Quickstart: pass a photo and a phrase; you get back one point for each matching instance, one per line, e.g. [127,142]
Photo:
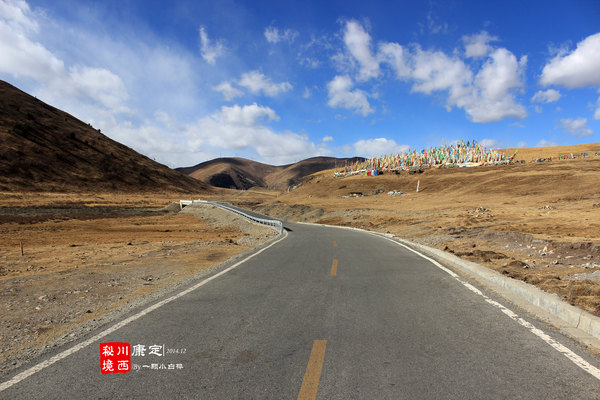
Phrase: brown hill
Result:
[45,149]
[240,173]
[231,173]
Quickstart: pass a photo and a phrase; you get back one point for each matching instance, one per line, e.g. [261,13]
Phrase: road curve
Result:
[326,313]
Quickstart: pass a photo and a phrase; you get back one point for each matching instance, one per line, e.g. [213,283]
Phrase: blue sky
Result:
[280,81]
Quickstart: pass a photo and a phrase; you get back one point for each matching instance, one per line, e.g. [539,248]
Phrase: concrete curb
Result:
[551,303]
[573,321]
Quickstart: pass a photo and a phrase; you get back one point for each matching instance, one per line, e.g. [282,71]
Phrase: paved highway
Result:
[331,314]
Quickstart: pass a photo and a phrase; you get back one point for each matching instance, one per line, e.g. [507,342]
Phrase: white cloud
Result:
[487,96]
[228,91]
[576,69]
[434,70]
[18,14]
[546,96]
[148,138]
[23,57]
[257,83]
[546,143]
[100,84]
[379,147]
[477,45]
[492,144]
[576,127]
[521,144]
[597,112]
[327,139]
[341,95]
[209,51]
[397,57]
[493,99]
[273,35]
[245,128]
[358,42]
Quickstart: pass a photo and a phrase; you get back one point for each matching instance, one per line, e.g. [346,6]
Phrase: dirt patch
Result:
[81,269]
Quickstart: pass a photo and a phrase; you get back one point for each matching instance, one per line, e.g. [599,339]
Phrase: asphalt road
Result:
[330,313]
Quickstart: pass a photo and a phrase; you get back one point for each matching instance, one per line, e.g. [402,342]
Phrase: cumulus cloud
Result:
[486,95]
[546,96]
[492,143]
[24,57]
[245,128]
[576,127]
[228,91]
[576,69]
[379,147]
[434,70]
[258,83]
[327,139]
[397,57]
[492,98]
[477,46]
[208,50]
[274,35]
[358,42]
[341,95]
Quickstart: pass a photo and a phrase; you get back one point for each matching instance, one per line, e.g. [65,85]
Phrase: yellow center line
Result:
[334,266]
[334,243]
[310,383]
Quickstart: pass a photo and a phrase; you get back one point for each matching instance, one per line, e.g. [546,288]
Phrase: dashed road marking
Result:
[312,376]
[334,267]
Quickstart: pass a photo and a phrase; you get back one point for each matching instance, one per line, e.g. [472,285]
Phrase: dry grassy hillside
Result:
[291,174]
[231,173]
[532,153]
[239,173]
[45,149]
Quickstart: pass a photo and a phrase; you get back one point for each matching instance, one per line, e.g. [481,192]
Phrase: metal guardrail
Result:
[269,222]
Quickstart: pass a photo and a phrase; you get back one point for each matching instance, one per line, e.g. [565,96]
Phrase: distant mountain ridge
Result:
[45,149]
[240,173]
